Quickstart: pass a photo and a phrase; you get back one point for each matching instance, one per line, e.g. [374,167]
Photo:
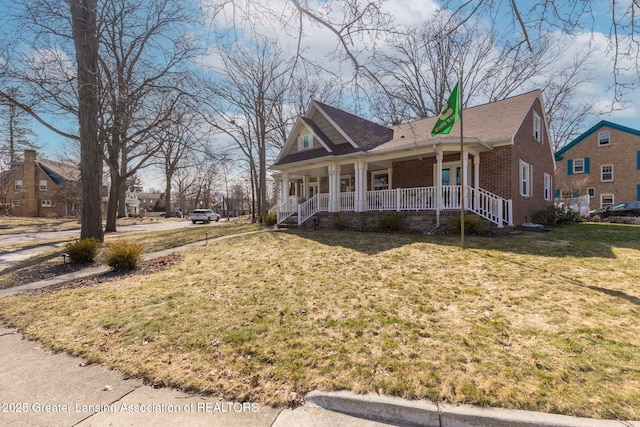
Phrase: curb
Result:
[423,413]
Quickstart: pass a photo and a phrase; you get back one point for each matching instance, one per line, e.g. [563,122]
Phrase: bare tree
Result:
[16,132]
[83,13]
[245,98]
[144,47]
[178,139]
[526,22]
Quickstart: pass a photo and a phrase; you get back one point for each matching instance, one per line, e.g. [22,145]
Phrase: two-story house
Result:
[39,187]
[603,163]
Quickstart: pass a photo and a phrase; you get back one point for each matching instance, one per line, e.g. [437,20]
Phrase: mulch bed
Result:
[49,269]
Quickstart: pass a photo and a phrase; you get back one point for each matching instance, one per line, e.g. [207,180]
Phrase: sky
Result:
[320,43]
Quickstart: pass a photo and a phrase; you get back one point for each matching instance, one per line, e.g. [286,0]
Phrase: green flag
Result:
[450,114]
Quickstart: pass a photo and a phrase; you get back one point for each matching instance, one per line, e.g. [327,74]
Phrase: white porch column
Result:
[439,156]
[285,186]
[305,187]
[465,174]
[361,186]
[334,188]
[476,179]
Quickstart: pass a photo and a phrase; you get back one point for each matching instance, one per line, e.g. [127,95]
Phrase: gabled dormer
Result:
[327,131]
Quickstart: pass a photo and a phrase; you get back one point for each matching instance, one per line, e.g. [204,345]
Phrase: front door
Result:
[313,189]
[446,176]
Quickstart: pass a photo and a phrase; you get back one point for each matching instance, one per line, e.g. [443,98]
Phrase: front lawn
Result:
[547,322]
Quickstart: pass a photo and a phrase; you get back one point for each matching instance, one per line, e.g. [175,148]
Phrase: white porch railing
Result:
[347,201]
[481,202]
[318,203]
[413,199]
[286,209]
[490,206]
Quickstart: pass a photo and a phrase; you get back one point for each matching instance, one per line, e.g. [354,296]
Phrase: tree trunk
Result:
[112,207]
[167,197]
[83,13]
[122,197]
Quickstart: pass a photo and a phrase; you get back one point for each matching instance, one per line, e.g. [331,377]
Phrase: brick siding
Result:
[622,153]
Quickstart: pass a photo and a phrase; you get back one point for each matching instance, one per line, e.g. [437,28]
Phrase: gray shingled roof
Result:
[489,123]
[363,133]
[59,172]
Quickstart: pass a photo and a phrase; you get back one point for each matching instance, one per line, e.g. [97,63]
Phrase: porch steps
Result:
[290,222]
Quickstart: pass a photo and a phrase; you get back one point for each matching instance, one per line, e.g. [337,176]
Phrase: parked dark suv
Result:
[616,209]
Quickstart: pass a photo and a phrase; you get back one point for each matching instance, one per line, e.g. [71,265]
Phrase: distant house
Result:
[151,200]
[336,163]
[603,163]
[38,187]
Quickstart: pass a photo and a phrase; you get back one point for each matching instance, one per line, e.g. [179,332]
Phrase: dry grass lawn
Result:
[547,322]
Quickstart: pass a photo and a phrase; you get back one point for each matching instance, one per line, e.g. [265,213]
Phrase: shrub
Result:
[338,223]
[270,219]
[473,224]
[390,222]
[82,250]
[122,255]
[555,214]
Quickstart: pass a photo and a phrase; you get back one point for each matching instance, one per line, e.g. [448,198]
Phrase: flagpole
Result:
[462,182]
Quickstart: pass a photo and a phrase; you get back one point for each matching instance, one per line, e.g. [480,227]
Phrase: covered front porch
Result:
[390,183]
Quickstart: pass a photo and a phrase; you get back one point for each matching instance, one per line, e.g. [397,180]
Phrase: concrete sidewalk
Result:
[39,388]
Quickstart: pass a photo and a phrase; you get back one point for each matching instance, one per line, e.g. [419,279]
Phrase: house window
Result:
[607,173]
[43,185]
[347,183]
[306,142]
[380,181]
[17,186]
[15,203]
[525,179]
[591,192]
[47,203]
[606,200]
[537,127]
[604,138]
[578,166]
[547,186]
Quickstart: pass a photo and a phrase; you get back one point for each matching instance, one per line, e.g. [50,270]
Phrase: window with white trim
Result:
[578,166]
[380,180]
[591,192]
[606,200]
[47,203]
[525,179]
[537,127]
[606,173]
[305,141]
[547,186]
[15,203]
[17,185]
[43,185]
[604,138]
